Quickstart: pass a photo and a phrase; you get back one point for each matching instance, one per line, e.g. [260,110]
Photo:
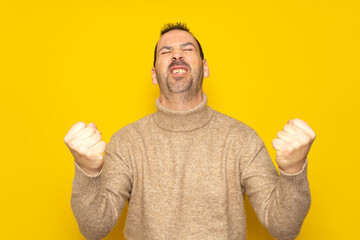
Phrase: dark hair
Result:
[177,26]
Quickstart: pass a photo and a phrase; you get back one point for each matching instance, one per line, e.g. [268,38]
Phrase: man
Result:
[185,168]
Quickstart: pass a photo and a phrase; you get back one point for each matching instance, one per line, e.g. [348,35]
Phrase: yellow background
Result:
[270,61]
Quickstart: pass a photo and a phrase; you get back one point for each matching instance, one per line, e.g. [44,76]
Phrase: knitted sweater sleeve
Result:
[281,202]
[98,201]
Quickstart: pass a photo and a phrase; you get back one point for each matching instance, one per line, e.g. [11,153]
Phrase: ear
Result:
[153,76]
[206,68]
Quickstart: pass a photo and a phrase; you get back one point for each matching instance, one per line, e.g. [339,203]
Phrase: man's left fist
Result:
[292,145]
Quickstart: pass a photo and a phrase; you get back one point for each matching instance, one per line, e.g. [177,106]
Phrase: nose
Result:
[177,55]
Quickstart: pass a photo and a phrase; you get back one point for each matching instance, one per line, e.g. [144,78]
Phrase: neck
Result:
[181,101]
[186,120]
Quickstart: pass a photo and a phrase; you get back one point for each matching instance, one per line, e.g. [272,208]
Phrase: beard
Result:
[184,83]
[180,85]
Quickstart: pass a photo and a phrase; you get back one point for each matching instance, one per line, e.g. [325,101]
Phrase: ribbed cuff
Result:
[83,180]
[294,174]
[296,181]
[77,166]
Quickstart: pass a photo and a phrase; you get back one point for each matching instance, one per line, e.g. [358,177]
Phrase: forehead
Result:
[176,37]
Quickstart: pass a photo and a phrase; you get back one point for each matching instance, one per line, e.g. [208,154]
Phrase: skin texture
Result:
[85,144]
[292,145]
[178,49]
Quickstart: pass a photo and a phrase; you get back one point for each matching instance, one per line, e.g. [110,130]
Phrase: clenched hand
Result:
[85,144]
[292,145]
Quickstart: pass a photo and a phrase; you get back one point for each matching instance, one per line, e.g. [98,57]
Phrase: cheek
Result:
[162,65]
[194,61]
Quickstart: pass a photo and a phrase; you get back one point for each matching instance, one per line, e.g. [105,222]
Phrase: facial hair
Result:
[188,89]
[183,87]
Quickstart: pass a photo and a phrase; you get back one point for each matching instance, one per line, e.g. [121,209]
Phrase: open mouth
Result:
[179,70]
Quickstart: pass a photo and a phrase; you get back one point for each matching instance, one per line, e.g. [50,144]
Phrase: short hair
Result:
[177,26]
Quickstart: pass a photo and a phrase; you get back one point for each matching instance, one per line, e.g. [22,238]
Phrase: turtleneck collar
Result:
[187,120]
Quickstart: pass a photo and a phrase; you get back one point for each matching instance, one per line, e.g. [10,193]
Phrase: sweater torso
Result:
[186,176]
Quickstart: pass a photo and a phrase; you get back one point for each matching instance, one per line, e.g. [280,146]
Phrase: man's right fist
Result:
[85,144]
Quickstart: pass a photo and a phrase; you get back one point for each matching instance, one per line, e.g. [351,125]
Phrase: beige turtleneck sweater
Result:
[185,174]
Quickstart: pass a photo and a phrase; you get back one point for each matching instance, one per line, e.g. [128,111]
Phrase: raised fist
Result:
[85,144]
[292,145]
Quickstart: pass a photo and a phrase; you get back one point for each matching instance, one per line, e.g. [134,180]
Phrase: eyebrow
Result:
[188,43]
[182,45]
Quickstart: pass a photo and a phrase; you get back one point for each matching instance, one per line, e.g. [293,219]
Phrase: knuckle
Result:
[95,138]
[70,145]
[98,136]
[80,124]
[83,132]
[86,132]
[313,135]
[91,130]
[297,120]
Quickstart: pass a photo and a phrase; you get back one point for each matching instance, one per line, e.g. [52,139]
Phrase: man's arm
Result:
[280,202]
[99,195]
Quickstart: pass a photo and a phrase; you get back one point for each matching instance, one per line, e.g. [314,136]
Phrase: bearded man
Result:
[186,168]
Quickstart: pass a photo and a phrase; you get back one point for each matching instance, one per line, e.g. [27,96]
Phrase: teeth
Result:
[179,71]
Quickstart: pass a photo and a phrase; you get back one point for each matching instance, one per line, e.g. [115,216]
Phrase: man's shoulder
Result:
[232,123]
[237,129]
[135,127]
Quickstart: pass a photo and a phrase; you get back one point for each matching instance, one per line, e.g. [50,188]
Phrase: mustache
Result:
[178,63]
